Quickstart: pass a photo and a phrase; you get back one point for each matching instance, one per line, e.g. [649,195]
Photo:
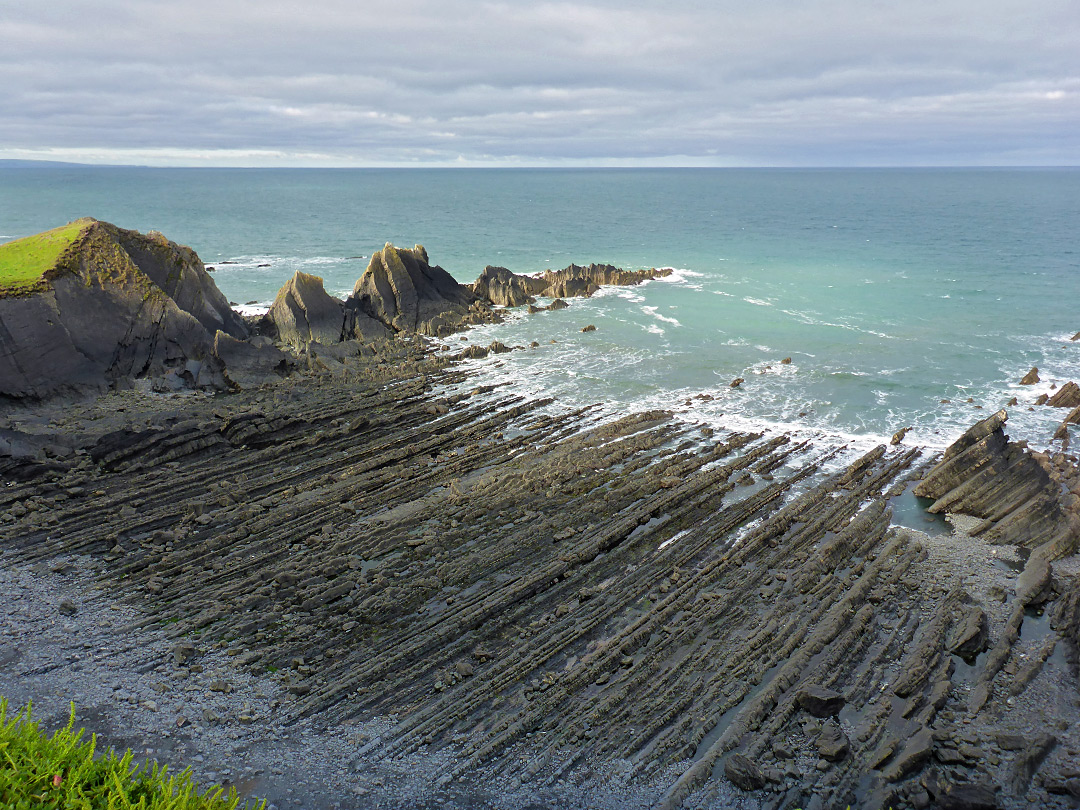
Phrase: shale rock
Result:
[743,772]
[507,289]
[401,290]
[117,305]
[250,363]
[970,636]
[303,311]
[1031,377]
[1068,396]
[832,743]
[984,475]
[819,701]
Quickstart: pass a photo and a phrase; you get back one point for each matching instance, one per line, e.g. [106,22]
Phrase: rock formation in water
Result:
[1068,396]
[505,288]
[403,291]
[117,305]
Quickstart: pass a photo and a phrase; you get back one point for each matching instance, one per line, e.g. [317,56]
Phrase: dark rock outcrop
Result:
[249,363]
[507,289]
[1031,377]
[986,476]
[403,291]
[117,305]
[303,311]
[1068,396]
[819,701]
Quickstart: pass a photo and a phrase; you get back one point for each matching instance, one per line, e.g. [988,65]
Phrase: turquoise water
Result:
[890,290]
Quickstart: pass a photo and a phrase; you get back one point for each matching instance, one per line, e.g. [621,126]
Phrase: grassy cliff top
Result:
[24,262]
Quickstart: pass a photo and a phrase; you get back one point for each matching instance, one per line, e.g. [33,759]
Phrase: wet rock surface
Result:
[390,585]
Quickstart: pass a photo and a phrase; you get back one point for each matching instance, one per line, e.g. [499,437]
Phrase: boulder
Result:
[249,363]
[832,743]
[819,701]
[1031,377]
[105,312]
[898,437]
[404,292]
[743,772]
[913,756]
[505,288]
[589,328]
[970,635]
[966,796]
[1068,396]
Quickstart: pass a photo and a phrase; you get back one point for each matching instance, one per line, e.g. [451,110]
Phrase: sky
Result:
[456,83]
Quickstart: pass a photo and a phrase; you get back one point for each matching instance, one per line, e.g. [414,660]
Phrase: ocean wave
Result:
[758,302]
[652,311]
[678,275]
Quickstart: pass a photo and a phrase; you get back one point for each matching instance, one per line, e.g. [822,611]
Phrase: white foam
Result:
[252,310]
[652,311]
[757,302]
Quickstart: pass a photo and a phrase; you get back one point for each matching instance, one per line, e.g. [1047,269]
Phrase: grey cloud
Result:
[832,81]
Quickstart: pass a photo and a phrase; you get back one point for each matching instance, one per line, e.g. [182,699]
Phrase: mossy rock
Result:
[27,264]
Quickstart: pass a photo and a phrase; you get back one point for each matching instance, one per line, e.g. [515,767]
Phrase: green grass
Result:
[24,261]
[61,772]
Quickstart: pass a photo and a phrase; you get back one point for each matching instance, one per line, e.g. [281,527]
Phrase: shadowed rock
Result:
[117,305]
[819,701]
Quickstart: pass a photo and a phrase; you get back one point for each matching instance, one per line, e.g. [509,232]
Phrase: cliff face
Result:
[402,290]
[117,304]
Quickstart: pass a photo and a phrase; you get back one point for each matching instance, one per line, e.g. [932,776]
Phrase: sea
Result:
[904,298]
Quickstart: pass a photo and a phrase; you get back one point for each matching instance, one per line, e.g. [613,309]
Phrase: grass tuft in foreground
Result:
[61,771]
[23,262]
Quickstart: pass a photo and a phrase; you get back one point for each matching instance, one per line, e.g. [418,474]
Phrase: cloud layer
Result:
[330,82]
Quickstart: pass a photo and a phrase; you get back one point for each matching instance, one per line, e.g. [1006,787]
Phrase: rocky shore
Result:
[367,578]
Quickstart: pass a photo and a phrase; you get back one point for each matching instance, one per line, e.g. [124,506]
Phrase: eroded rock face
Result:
[402,290]
[119,304]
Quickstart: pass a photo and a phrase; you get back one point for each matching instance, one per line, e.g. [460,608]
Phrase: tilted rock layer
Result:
[403,291]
